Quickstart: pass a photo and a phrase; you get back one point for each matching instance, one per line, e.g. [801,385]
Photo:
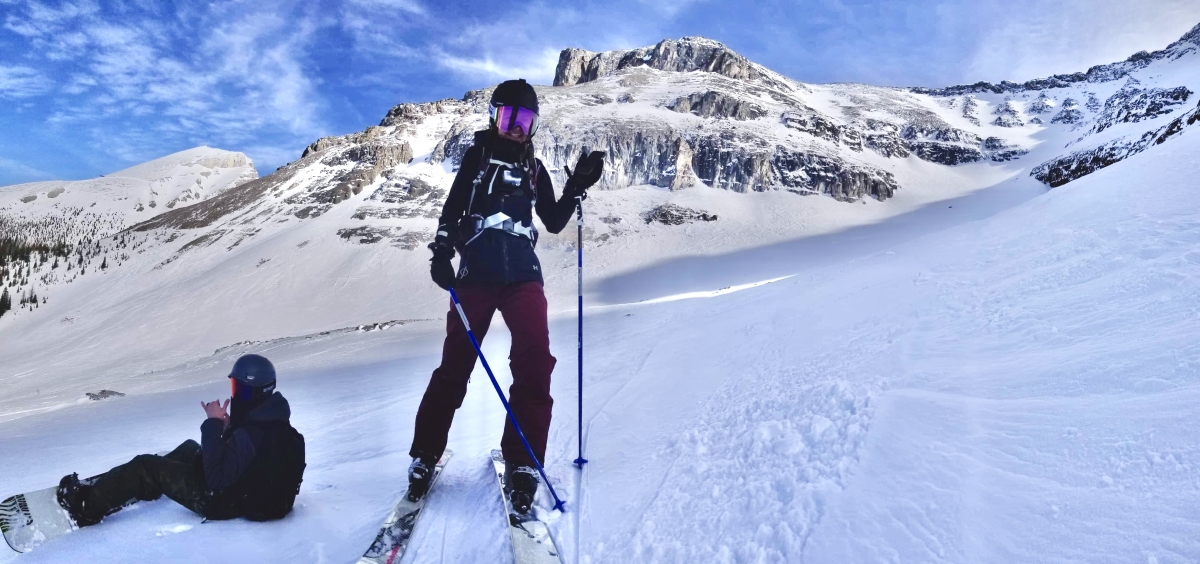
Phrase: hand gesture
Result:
[587,172]
[215,410]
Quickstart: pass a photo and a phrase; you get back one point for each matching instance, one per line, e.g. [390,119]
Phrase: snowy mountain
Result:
[77,220]
[838,323]
[709,154]
[136,193]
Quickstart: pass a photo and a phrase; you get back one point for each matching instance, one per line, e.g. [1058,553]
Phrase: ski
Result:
[397,529]
[532,542]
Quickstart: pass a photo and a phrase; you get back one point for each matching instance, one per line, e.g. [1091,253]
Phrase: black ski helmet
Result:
[253,379]
[515,93]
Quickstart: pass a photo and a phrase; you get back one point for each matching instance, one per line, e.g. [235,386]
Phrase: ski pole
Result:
[579,223]
[559,504]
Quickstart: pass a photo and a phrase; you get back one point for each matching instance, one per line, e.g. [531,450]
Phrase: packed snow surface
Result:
[1019,386]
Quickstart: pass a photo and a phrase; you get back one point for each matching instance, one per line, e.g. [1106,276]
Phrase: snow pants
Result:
[178,475]
[523,306]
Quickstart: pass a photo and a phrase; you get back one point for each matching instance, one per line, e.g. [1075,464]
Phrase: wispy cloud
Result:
[246,77]
[1028,39]
[21,82]
[21,172]
[134,79]
[410,6]
[537,69]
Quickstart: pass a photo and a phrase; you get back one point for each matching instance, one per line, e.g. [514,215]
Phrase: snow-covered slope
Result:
[140,192]
[1019,388]
[712,157]
[75,221]
[961,365]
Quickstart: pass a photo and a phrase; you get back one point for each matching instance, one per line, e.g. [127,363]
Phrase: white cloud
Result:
[21,82]
[371,6]
[670,8]
[22,172]
[378,27]
[1029,40]
[241,75]
[538,69]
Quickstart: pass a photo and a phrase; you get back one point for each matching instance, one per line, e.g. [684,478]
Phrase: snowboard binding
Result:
[72,496]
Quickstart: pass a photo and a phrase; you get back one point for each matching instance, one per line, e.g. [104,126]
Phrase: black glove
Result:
[442,272]
[587,172]
[440,268]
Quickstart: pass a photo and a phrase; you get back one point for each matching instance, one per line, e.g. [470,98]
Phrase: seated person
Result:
[249,463]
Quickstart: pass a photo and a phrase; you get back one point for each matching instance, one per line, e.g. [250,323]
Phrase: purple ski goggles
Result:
[507,118]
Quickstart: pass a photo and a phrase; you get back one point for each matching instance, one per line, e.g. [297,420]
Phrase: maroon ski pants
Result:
[523,306]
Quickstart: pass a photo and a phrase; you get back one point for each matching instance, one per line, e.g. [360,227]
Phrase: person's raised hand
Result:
[215,410]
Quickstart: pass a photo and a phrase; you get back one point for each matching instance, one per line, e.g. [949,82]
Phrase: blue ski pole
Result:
[579,222]
[558,503]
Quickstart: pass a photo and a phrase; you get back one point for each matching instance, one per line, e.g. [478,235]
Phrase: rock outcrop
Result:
[576,66]
[1078,164]
[717,104]
[671,214]
[1007,115]
[1131,104]
[1069,114]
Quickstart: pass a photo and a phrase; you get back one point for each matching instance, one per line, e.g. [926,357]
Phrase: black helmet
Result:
[252,379]
[515,93]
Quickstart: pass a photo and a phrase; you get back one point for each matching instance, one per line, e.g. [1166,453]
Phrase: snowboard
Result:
[30,519]
[397,529]
[531,539]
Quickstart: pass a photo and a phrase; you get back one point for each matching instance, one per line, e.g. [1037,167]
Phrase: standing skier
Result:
[488,218]
[249,462]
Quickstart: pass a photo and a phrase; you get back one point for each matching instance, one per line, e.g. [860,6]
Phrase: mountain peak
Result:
[1192,36]
[1097,73]
[203,157]
[692,53]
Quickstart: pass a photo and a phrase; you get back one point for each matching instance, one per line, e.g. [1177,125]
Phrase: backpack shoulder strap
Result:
[485,156]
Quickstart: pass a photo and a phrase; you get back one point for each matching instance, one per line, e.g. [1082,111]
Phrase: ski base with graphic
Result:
[531,539]
[398,528]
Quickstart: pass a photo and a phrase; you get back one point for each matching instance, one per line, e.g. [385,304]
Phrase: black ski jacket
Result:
[228,453]
[494,257]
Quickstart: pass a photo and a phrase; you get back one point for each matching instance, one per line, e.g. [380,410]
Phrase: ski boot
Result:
[72,496]
[521,482]
[420,474]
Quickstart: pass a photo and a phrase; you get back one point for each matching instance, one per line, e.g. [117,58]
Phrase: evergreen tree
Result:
[5,303]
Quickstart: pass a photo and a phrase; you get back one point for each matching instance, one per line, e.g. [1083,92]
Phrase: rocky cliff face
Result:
[1132,104]
[684,123]
[576,66]
[691,112]
[1144,103]
[1078,164]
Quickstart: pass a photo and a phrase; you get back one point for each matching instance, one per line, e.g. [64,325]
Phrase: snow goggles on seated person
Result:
[508,117]
[246,392]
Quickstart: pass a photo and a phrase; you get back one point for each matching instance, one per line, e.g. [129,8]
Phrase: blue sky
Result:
[88,87]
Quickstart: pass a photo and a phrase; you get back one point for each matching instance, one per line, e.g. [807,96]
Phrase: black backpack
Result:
[269,487]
